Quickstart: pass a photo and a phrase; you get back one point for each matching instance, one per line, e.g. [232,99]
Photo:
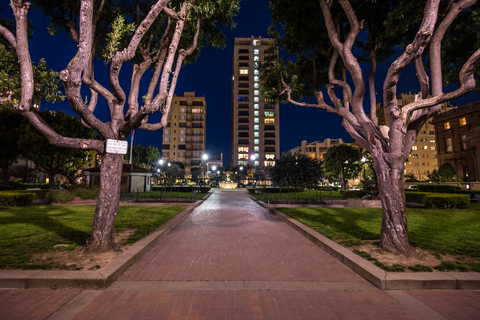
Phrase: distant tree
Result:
[434,176]
[196,173]
[10,132]
[173,172]
[296,171]
[56,160]
[160,35]
[342,162]
[447,172]
[410,177]
[145,157]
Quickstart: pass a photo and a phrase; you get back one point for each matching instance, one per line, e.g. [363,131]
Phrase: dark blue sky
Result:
[210,77]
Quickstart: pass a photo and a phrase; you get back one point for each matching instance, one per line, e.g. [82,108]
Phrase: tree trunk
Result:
[6,175]
[51,180]
[102,237]
[394,233]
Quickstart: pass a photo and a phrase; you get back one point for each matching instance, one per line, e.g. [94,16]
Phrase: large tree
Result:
[10,131]
[388,145]
[55,160]
[163,35]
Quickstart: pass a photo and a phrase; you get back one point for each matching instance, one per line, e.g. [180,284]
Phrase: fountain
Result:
[227,184]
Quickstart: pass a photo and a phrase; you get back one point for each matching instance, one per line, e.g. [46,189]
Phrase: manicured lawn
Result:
[454,232]
[159,194]
[312,194]
[35,229]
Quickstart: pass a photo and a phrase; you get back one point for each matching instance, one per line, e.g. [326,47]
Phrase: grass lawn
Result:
[455,232]
[35,229]
[159,194]
[312,194]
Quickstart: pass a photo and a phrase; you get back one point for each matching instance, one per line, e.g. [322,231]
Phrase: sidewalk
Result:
[232,259]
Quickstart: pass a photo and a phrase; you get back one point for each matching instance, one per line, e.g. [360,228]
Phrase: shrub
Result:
[346,194]
[415,196]
[16,199]
[327,188]
[86,193]
[39,194]
[447,201]
[61,195]
[181,189]
[438,188]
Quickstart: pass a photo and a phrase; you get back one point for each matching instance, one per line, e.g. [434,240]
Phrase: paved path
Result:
[231,259]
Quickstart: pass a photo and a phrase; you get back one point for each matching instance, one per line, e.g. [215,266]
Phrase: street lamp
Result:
[363,166]
[253,165]
[204,157]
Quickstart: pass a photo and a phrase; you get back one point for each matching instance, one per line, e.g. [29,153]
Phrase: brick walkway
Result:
[232,259]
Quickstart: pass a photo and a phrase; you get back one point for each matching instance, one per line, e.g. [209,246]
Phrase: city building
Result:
[316,149]
[458,140]
[422,160]
[184,137]
[255,124]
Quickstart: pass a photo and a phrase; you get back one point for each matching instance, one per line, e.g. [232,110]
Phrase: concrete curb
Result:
[98,279]
[378,277]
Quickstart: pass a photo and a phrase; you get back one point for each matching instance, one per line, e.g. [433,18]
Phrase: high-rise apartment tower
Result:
[255,124]
[184,137]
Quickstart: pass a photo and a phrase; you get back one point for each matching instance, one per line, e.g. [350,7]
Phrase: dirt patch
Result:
[76,259]
[419,257]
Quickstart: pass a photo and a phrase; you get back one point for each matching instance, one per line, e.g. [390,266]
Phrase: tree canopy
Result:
[297,171]
[342,162]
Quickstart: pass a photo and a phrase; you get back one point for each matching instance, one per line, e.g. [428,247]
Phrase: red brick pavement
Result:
[464,305]
[244,304]
[32,304]
[231,237]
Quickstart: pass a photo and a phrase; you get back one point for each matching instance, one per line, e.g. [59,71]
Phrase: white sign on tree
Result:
[116,146]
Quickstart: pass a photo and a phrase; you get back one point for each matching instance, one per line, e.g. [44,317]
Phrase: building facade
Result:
[255,124]
[458,140]
[422,160]
[184,137]
[316,149]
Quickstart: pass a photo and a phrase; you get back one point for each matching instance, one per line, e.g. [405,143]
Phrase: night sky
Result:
[210,77]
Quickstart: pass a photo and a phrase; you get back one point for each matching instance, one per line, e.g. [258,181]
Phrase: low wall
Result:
[463,185]
[364,203]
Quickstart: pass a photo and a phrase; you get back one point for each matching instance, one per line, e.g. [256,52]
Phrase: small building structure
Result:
[134,178]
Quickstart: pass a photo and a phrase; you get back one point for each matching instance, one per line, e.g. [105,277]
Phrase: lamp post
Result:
[363,166]
[241,172]
[204,157]
[253,166]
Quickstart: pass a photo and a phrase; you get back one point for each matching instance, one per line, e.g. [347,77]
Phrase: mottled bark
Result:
[102,236]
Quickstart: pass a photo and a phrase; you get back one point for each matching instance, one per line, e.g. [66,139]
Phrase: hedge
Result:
[39,194]
[86,193]
[415,196]
[447,201]
[346,194]
[327,188]
[60,195]
[274,190]
[181,189]
[438,188]
[16,199]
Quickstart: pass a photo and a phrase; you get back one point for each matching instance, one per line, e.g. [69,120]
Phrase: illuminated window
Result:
[257,163]
[432,148]
[256,99]
[269,121]
[242,149]
[432,140]
[269,163]
[256,92]
[464,142]
[256,120]
[256,42]
[256,51]
[446,125]
[242,156]
[414,148]
[425,147]
[184,132]
[182,139]
[256,127]
[256,113]
[256,71]
[183,110]
[256,78]
[197,110]
[256,149]
[256,141]
[243,71]
[242,163]
[256,58]
[256,85]
[269,156]
[256,134]
[463,121]
[256,106]
[166,131]
[269,113]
